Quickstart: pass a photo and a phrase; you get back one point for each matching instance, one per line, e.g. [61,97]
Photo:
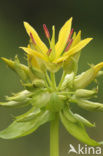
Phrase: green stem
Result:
[48,79]
[53,80]
[54,137]
[62,79]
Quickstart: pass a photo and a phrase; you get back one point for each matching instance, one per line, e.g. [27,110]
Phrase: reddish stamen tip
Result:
[49,51]
[68,46]
[71,32]
[32,38]
[47,34]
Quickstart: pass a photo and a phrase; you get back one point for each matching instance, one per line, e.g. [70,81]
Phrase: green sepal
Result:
[55,104]
[20,129]
[78,131]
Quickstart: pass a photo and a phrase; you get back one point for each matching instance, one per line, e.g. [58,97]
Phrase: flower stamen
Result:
[47,34]
[68,46]
[49,51]
[69,38]
[32,38]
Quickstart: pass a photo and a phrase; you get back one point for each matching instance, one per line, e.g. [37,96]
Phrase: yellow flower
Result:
[68,45]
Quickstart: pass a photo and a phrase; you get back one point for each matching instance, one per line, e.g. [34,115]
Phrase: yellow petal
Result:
[98,67]
[76,40]
[32,61]
[78,47]
[63,36]
[74,35]
[36,37]
[61,59]
[73,50]
[34,53]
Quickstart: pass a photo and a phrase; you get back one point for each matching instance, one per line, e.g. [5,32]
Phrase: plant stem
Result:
[62,79]
[53,80]
[48,79]
[54,137]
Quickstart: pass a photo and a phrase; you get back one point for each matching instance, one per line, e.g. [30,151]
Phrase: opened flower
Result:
[68,44]
[49,101]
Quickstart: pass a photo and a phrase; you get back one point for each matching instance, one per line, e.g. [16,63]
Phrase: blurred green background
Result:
[88,17]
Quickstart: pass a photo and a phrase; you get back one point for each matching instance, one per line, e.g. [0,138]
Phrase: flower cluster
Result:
[41,91]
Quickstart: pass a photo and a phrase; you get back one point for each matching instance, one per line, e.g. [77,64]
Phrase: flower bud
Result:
[15,103]
[83,93]
[38,83]
[38,73]
[70,65]
[20,69]
[84,79]
[89,105]
[19,96]
[68,81]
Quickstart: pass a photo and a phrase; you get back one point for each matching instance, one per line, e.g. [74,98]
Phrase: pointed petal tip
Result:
[23,48]
[25,23]
[70,19]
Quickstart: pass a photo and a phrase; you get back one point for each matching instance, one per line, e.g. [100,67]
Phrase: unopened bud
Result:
[20,69]
[19,96]
[38,73]
[89,105]
[68,81]
[83,93]
[15,103]
[84,79]
[38,83]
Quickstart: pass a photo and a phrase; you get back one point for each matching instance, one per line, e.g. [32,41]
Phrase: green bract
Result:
[47,99]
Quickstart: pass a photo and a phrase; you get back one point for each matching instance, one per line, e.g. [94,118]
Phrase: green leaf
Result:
[69,115]
[84,121]
[78,131]
[76,117]
[20,129]
[29,115]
